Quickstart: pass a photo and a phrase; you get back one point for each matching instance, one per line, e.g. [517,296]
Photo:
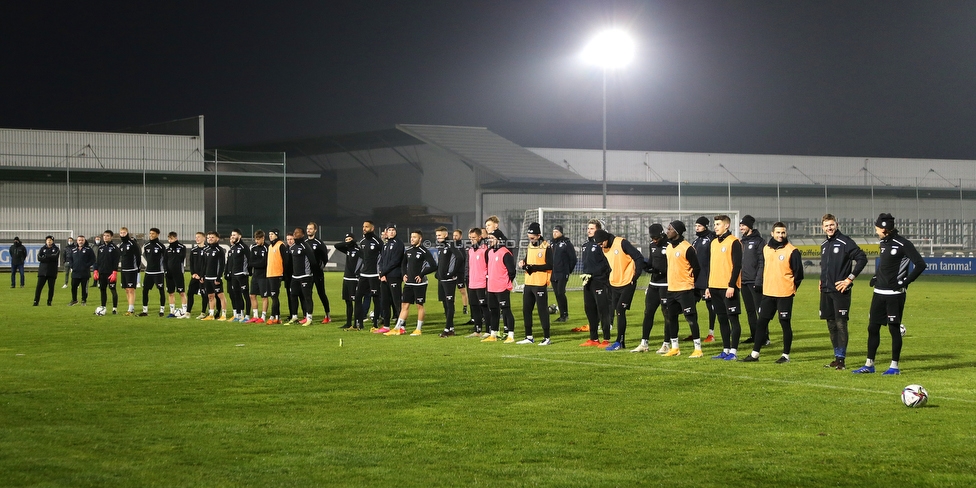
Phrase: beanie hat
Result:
[601,235]
[703,221]
[275,231]
[391,225]
[748,221]
[535,229]
[558,227]
[885,221]
[655,230]
[678,226]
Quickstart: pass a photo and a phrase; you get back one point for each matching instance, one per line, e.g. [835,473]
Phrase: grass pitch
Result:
[128,401]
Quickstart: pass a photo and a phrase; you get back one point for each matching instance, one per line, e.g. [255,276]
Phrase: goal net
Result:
[629,224]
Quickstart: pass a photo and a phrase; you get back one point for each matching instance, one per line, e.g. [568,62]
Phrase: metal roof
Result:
[479,147]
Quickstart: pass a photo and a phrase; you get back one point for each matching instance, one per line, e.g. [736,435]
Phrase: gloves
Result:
[529,268]
[111,277]
[586,277]
[95,275]
[874,281]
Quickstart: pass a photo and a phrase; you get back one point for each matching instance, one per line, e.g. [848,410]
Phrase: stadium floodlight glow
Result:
[610,49]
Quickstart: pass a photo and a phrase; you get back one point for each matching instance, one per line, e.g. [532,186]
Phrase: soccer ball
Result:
[178,313]
[902,329]
[914,396]
[100,311]
[553,309]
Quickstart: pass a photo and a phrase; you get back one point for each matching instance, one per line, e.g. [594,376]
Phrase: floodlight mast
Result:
[610,49]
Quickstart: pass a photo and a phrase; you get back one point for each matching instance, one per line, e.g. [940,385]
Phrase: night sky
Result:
[847,78]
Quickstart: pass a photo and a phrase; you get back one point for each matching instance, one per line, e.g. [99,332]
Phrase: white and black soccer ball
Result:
[553,309]
[100,311]
[902,329]
[178,313]
[914,396]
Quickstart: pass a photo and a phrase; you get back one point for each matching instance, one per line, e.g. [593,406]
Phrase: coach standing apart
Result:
[841,260]
[890,281]
[563,264]
[18,254]
[47,271]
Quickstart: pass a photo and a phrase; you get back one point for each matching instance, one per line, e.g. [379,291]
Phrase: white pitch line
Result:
[721,375]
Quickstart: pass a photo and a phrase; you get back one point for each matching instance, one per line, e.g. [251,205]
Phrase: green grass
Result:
[126,401]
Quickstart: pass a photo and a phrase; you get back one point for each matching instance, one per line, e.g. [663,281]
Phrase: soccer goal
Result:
[629,224]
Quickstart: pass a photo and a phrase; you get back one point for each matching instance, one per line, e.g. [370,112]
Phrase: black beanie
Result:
[678,226]
[601,235]
[559,228]
[535,229]
[885,221]
[702,221]
[655,230]
[748,221]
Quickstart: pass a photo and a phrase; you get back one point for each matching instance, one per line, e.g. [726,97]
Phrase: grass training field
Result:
[128,401]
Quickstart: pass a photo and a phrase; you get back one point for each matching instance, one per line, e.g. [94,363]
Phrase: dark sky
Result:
[849,78]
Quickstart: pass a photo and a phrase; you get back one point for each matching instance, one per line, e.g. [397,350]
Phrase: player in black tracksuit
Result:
[350,275]
[450,267]
[596,287]
[302,265]
[155,254]
[237,269]
[175,274]
[369,278]
[258,260]
[214,264]
[563,263]
[703,248]
[656,296]
[82,259]
[752,254]
[417,262]
[890,282]
[107,264]
[391,277]
[841,260]
[130,260]
[196,274]
[318,274]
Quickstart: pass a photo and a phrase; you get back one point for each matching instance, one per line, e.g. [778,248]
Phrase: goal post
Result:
[629,224]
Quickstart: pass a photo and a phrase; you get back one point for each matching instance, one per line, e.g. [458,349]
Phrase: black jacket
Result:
[703,248]
[82,260]
[563,258]
[656,262]
[198,260]
[237,262]
[892,272]
[595,262]
[752,249]
[354,261]
[155,254]
[175,258]
[48,257]
[130,259]
[214,262]
[370,246]
[302,259]
[450,261]
[108,258]
[391,260]
[416,261]
[840,258]
[321,254]
[18,253]
[259,261]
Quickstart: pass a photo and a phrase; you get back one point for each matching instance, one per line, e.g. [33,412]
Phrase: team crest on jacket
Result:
[782,257]
[616,251]
[677,254]
[723,249]
[539,255]
[836,250]
[894,251]
[750,245]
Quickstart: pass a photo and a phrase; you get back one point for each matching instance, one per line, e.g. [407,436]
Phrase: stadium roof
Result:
[476,147]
